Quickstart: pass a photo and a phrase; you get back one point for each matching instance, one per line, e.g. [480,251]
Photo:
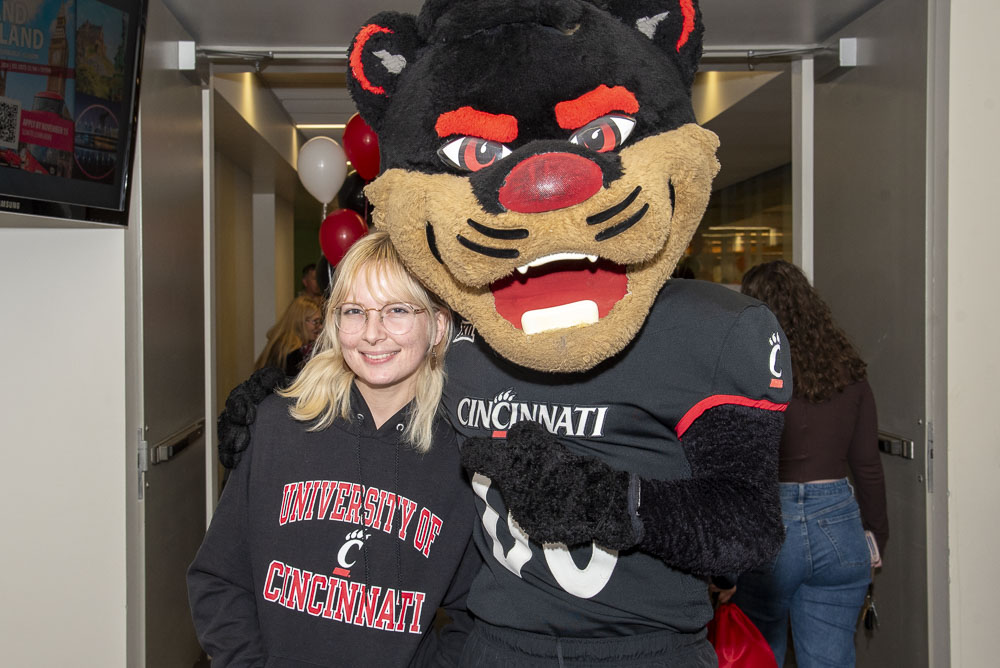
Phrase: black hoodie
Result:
[336,548]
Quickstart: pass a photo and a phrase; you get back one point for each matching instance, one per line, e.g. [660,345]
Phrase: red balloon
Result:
[361,146]
[338,232]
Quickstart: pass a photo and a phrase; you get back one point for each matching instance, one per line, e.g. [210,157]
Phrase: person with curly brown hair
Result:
[820,577]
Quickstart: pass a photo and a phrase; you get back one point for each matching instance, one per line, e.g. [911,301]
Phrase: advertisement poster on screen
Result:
[64,91]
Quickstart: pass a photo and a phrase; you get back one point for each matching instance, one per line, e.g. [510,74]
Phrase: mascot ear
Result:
[673,25]
[380,51]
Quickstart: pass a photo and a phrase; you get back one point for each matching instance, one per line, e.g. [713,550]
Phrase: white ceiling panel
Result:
[334,22]
[312,91]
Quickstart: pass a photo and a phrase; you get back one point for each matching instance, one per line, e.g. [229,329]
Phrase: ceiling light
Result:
[320,126]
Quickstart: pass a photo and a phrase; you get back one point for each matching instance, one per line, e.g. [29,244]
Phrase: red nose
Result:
[550,181]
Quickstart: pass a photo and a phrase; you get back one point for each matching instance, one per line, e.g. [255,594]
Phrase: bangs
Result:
[404,287]
[388,283]
[372,259]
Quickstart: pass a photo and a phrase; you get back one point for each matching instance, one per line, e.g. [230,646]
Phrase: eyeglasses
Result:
[315,322]
[397,318]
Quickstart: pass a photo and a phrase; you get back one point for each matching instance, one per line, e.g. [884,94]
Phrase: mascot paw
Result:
[554,495]
[241,411]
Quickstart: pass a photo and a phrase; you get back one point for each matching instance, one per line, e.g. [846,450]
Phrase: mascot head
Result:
[542,169]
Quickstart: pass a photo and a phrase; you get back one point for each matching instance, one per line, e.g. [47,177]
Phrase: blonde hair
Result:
[289,333]
[322,389]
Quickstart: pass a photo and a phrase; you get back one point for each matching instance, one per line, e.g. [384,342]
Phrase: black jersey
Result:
[702,346]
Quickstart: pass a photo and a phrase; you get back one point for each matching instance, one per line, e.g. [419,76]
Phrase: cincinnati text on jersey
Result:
[502,412]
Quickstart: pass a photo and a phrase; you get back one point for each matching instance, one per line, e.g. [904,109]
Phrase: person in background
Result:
[822,573]
[349,521]
[291,339]
[310,284]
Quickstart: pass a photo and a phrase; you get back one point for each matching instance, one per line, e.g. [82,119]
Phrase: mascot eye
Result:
[605,133]
[472,153]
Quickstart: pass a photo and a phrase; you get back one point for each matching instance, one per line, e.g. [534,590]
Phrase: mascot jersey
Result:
[702,346]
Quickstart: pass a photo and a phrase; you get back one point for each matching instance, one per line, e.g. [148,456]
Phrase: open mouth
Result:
[559,291]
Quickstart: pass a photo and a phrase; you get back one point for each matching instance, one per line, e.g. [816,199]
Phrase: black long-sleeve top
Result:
[826,440]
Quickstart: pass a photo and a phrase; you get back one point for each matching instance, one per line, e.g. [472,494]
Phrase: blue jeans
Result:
[818,580]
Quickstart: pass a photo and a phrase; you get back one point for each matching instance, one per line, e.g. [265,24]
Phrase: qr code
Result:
[10,122]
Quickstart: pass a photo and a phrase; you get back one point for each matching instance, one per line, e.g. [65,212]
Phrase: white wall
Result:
[255,149]
[973,330]
[273,262]
[285,272]
[259,107]
[235,353]
[62,446]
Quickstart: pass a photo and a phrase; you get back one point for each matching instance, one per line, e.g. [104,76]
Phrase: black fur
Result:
[555,495]
[451,20]
[241,410]
[726,518]
[519,58]
[630,11]
[401,41]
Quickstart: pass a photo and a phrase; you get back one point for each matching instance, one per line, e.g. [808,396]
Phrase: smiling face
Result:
[385,364]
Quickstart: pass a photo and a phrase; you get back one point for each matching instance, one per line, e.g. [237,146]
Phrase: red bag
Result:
[737,641]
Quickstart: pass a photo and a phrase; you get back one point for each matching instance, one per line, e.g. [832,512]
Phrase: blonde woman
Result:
[291,339]
[348,523]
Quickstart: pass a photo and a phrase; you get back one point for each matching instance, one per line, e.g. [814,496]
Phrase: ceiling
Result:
[326,23]
[298,48]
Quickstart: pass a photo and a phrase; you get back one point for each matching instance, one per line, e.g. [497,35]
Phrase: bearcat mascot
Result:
[543,173]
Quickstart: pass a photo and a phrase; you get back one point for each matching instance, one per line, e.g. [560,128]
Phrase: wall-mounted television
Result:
[69,92]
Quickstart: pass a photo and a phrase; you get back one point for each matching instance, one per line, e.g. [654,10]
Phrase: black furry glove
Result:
[241,411]
[554,495]
[725,518]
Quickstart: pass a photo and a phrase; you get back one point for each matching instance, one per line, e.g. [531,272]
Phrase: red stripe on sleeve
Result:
[705,404]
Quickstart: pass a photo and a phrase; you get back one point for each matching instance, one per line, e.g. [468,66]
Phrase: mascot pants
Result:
[494,647]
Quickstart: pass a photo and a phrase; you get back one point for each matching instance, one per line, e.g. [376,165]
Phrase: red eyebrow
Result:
[573,114]
[475,123]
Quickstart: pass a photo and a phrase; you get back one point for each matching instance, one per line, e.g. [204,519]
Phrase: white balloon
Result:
[322,167]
